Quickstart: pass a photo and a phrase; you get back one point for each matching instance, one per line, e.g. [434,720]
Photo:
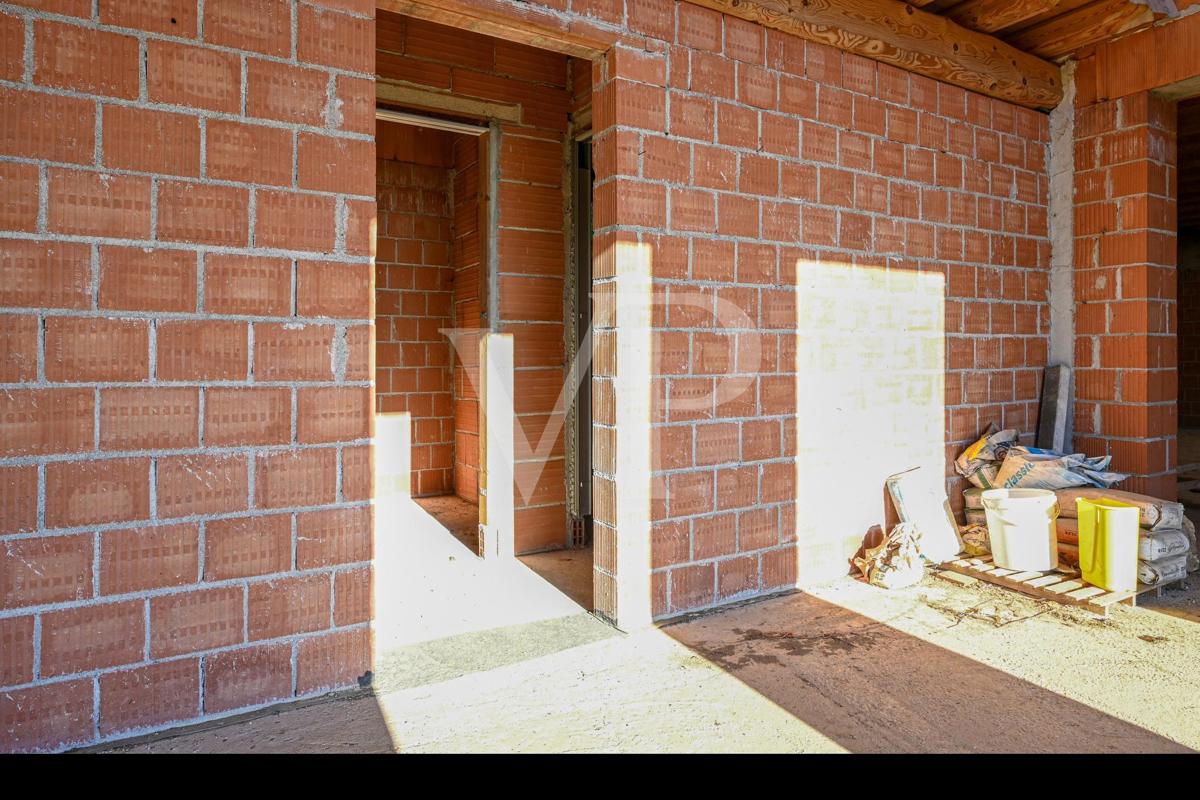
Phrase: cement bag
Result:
[1193,556]
[976,540]
[973,497]
[981,462]
[1156,545]
[896,562]
[1035,468]
[1165,570]
[1157,515]
[1068,529]
[920,498]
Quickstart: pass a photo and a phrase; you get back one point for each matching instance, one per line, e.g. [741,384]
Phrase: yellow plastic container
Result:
[1108,543]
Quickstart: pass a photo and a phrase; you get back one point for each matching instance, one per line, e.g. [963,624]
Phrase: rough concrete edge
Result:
[213,723]
[1062,239]
[707,611]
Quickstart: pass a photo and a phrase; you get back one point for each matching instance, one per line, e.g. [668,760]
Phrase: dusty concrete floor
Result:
[569,571]
[844,667]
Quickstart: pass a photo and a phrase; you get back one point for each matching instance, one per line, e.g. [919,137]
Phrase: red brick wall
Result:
[531,245]
[746,161]
[185,293]
[1125,283]
[414,284]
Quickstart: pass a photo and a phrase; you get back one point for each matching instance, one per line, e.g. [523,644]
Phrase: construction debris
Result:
[920,498]
[896,562]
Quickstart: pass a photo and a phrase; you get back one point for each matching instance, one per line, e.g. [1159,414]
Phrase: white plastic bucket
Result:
[1021,528]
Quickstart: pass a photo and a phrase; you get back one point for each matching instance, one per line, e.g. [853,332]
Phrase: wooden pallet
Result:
[1062,586]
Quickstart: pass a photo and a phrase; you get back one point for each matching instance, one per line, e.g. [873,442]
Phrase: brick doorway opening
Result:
[479,236]
[1188,299]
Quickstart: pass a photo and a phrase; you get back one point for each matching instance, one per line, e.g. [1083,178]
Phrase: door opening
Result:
[581,512]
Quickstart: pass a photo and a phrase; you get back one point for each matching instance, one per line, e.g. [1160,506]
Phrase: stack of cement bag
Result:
[996,461]
[1167,549]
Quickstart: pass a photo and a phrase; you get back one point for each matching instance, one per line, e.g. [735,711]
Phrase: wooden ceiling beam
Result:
[988,16]
[896,33]
[1067,33]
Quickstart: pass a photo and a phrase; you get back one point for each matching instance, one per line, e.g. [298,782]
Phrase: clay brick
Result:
[18,499]
[205,350]
[48,717]
[149,418]
[293,352]
[19,335]
[329,164]
[12,48]
[202,214]
[235,284]
[287,606]
[93,637]
[736,577]
[335,40]
[85,60]
[150,696]
[353,596]
[264,26]
[45,274]
[332,537]
[247,153]
[141,559]
[236,416]
[84,349]
[286,92]
[779,568]
[358,472]
[246,547]
[356,99]
[16,650]
[143,140]
[46,421]
[195,621]
[98,204]
[248,676]
[333,661]
[699,28]
[334,289]
[19,191]
[333,414]
[692,587]
[202,485]
[47,126]
[52,569]
[296,478]
[97,492]
[170,17]
[137,279]
[194,77]
[295,221]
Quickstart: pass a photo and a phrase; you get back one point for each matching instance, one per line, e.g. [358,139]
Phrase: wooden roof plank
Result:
[1066,33]
[989,16]
[897,33]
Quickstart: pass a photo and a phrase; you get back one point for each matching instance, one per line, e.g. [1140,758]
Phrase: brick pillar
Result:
[1125,245]
[621,379]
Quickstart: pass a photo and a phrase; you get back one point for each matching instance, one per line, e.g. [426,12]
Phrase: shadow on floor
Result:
[475,656]
[874,688]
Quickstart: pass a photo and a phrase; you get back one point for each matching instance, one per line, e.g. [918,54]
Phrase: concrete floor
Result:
[476,657]
[569,571]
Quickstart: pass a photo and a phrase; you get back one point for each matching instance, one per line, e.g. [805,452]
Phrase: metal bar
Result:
[389,115]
